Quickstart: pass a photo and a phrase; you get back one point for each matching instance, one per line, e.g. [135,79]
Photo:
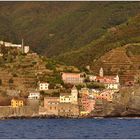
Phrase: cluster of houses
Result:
[110,82]
[75,102]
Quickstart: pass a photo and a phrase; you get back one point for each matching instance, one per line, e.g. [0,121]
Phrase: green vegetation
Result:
[54,28]
[51,64]
[134,49]
[118,36]
[55,79]
[95,85]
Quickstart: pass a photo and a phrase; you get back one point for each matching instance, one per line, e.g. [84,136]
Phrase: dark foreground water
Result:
[70,128]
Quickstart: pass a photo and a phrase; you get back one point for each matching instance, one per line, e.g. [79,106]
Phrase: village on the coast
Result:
[77,95]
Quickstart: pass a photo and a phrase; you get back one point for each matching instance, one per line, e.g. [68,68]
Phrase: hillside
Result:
[23,72]
[117,36]
[53,28]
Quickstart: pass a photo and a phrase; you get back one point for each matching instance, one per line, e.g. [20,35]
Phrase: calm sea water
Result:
[70,128]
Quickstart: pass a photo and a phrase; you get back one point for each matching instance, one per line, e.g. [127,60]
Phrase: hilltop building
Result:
[20,47]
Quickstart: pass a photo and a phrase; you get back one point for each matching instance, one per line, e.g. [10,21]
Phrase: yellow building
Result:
[82,113]
[17,103]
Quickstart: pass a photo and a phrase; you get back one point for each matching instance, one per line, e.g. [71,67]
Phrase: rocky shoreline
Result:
[69,117]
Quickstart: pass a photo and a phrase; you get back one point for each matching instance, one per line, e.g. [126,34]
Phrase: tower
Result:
[74,95]
[101,72]
[22,46]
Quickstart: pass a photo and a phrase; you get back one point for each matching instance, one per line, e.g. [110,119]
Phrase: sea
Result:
[108,128]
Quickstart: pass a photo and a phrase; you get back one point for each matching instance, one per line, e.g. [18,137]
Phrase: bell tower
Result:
[74,95]
[101,72]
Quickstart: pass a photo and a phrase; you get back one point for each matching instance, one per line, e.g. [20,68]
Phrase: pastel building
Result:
[110,82]
[106,95]
[70,97]
[15,103]
[73,78]
[74,95]
[87,101]
[43,86]
[65,98]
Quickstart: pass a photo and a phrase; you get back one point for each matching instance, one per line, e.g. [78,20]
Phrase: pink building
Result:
[73,78]
[87,103]
[110,82]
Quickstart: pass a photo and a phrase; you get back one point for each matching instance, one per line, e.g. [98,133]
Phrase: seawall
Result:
[8,111]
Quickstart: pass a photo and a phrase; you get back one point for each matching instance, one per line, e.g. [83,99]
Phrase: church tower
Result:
[101,72]
[74,95]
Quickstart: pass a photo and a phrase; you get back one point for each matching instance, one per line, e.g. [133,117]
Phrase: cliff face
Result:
[126,103]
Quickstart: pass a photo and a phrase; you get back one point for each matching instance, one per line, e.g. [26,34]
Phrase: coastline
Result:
[67,117]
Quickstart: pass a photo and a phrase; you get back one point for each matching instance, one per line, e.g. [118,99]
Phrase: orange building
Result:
[107,95]
[17,103]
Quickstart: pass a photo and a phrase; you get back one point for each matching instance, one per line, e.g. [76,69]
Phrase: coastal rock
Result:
[126,103]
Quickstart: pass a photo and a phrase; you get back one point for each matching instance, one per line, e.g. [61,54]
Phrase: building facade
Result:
[87,100]
[106,95]
[51,105]
[34,95]
[68,109]
[74,95]
[65,98]
[73,78]
[43,86]
[70,97]
[17,103]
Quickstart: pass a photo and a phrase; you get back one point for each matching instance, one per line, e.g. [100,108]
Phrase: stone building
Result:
[51,105]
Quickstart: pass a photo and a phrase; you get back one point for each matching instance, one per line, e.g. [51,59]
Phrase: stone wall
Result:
[7,111]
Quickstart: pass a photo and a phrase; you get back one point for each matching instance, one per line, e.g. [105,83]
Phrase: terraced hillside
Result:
[122,61]
[25,71]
